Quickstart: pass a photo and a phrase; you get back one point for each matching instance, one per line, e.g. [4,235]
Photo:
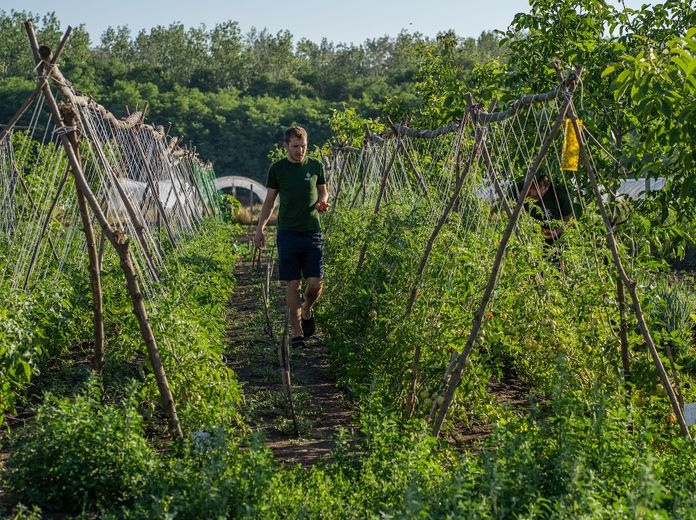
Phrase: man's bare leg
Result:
[311,295]
[294,306]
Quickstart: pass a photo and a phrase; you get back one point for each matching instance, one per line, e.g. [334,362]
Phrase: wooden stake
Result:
[285,370]
[628,283]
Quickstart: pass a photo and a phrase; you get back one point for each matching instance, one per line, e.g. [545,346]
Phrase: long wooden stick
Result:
[285,370]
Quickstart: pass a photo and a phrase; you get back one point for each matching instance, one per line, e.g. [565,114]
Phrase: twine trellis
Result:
[76,169]
[460,176]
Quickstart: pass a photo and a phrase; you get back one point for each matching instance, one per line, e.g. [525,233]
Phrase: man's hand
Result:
[322,206]
[259,239]
[552,233]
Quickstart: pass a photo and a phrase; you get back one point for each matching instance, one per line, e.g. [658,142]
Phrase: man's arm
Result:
[322,204]
[266,210]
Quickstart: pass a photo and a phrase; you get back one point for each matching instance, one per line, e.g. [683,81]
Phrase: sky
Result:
[352,21]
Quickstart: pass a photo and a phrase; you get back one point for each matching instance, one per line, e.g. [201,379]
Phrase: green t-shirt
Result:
[297,187]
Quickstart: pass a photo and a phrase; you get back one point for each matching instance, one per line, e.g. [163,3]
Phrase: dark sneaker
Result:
[309,327]
[297,341]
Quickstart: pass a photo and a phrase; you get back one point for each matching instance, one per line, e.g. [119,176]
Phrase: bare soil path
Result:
[322,409]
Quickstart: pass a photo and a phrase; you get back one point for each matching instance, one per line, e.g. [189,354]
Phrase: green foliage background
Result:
[230,94]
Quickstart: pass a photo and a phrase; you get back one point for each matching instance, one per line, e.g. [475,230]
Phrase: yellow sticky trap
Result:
[571,148]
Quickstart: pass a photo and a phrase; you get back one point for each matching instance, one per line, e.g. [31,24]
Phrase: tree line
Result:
[229,93]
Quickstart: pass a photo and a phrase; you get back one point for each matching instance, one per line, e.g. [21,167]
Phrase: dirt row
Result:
[322,409]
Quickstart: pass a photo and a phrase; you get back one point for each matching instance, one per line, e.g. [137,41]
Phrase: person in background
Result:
[549,204]
[299,182]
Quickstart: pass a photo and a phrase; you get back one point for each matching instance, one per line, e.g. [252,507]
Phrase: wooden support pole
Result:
[492,280]
[120,243]
[70,119]
[285,370]
[266,294]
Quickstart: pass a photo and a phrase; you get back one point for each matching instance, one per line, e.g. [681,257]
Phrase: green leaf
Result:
[608,70]
[688,187]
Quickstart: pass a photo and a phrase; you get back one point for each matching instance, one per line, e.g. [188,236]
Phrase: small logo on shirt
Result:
[308,177]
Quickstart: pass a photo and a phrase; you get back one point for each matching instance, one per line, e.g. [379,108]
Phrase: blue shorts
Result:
[300,253]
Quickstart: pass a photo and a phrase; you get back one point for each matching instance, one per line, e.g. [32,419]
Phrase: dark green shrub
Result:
[79,454]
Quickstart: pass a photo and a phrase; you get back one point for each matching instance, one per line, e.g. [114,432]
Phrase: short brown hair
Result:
[295,131]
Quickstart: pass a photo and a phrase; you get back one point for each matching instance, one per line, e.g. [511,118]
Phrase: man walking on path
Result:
[300,183]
